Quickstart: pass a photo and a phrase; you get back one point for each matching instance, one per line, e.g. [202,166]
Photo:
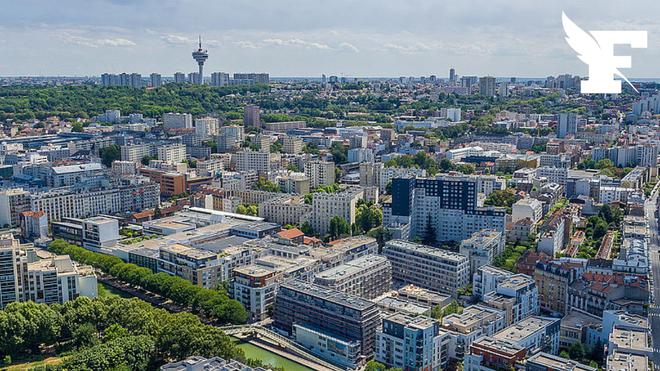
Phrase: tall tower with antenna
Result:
[200,56]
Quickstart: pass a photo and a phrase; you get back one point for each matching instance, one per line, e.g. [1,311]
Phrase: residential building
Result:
[427,267]
[486,279]
[285,210]
[482,248]
[12,203]
[411,343]
[473,323]
[99,232]
[136,152]
[326,206]
[320,173]
[292,145]
[252,160]
[439,209]
[487,86]
[206,127]
[34,225]
[58,280]
[301,306]
[537,334]
[367,277]
[230,138]
[530,208]
[177,121]
[251,117]
[548,362]
[489,353]
[174,153]
[567,125]
[517,296]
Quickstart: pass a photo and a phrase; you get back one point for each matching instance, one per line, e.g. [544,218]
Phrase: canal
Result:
[268,357]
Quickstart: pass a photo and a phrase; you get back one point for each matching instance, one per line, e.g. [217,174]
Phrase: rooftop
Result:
[524,328]
[557,363]
[629,339]
[334,296]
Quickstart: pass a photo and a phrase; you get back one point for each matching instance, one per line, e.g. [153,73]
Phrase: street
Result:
[654,310]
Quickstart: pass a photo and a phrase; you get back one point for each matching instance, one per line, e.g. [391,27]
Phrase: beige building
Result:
[172,153]
[292,145]
[325,206]
[320,173]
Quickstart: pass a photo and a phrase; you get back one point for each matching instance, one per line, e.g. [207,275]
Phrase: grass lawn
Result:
[108,291]
[32,362]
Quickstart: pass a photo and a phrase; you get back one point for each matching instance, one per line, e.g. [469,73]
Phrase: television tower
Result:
[200,56]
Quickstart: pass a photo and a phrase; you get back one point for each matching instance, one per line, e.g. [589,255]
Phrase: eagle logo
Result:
[596,49]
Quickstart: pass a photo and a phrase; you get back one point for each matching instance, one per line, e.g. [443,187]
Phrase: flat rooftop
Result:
[334,296]
[629,339]
[557,363]
[618,361]
[352,267]
[524,328]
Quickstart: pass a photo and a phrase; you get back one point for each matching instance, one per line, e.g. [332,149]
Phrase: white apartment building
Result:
[527,208]
[486,279]
[427,267]
[474,322]
[367,277]
[209,167]
[553,174]
[285,210]
[292,145]
[174,153]
[58,280]
[370,174]
[177,121]
[100,232]
[320,173]
[482,248]
[136,152]
[252,160]
[124,167]
[206,127]
[325,206]
[389,173]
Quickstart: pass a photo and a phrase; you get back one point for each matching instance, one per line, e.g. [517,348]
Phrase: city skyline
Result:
[300,39]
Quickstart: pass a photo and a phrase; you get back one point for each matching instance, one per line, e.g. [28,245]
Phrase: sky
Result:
[366,38]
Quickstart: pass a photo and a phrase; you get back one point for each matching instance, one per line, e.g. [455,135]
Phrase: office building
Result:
[482,248]
[487,86]
[332,315]
[367,277]
[427,267]
[439,209]
[320,173]
[411,343]
[326,206]
[251,116]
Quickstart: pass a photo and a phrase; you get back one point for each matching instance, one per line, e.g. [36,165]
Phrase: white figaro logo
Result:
[596,49]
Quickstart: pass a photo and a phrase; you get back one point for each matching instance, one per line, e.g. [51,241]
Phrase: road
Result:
[654,250]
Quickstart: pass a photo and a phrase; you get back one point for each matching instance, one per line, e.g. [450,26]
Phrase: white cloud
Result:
[245,44]
[348,46]
[174,39]
[95,43]
[297,42]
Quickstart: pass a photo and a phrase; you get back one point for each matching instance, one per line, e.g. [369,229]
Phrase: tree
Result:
[338,227]
[576,351]
[77,127]
[109,154]
[502,198]
[368,216]
[85,335]
[307,229]
[429,235]
[339,153]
